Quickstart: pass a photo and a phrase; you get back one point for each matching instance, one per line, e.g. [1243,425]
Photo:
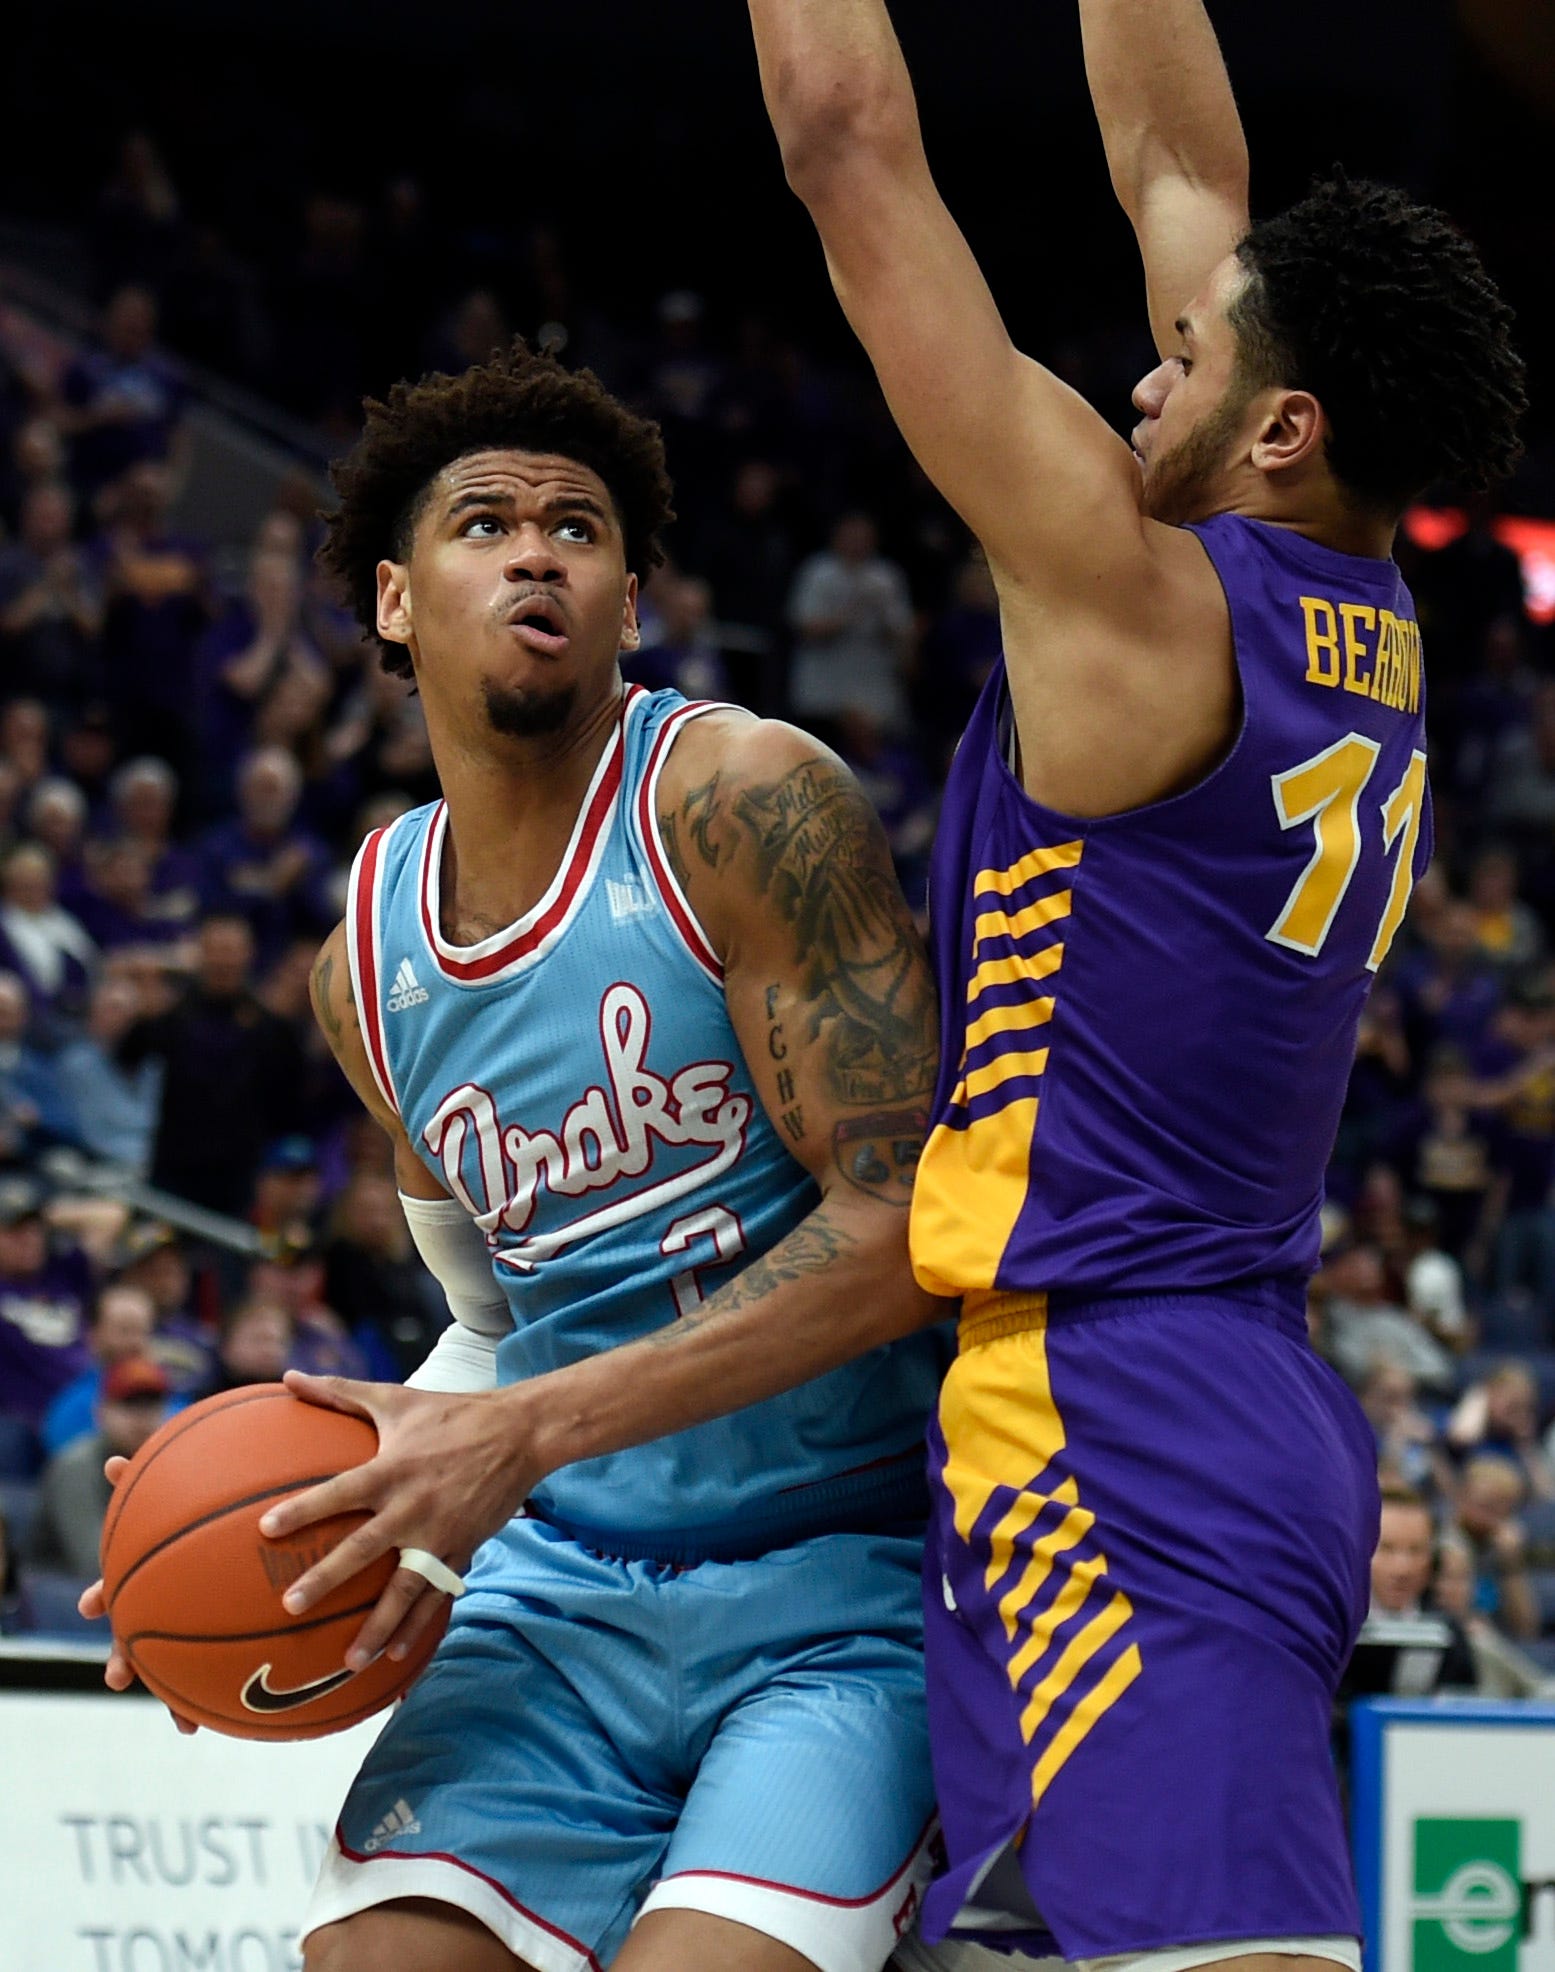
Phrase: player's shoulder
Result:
[730,756]
[745,803]
[333,993]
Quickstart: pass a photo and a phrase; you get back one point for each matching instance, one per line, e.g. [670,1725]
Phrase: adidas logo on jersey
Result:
[628,899]
[400,1820]
[406,992]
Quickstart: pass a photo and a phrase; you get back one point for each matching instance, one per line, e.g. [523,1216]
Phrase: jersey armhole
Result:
[687,925]
[365,956]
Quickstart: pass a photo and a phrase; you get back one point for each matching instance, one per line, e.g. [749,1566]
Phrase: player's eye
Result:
[577,528]
[482,521]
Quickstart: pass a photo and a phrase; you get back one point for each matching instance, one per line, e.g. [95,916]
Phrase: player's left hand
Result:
[448,1474]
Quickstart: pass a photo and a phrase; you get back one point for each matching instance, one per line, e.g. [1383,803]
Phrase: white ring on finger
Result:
[430,1569]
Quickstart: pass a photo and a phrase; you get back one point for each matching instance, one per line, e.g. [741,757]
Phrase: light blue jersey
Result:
[576,1082]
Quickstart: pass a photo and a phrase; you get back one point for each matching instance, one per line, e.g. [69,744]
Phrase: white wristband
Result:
[430,1569]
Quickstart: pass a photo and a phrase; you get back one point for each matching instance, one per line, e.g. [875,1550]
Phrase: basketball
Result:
[193,1589]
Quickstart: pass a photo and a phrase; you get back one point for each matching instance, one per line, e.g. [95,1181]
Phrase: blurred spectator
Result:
[1516,1093]
[1452,1166]
[248,655]
[1490,1496]
[1433,1280]
[51,604]
[24,741]
[1510,935]
[1500,1416]
[122,401]
[144,794]
[116,907]
[112,1109]
[56,819]
[230,1073]
[374,1281]
[747,553]
[42,941]
[294,1280]
[1405,1436]
[255,1345]
[154,580]
[35,1109]
[1401,1571]
[37,458]
[73,1498]
[1501,1670]
[151,1257]
[263,866]
[286,1192]
[1364,1326]
[45,1290]
[88,751]
[1447,991]
[680,651]
[118,1330]
[1520,795]
[852,617]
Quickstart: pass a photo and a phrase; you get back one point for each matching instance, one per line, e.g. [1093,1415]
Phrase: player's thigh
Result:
[810,1817]
[694,1941]
[410,1935]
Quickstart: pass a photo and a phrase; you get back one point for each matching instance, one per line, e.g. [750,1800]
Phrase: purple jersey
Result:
[1149,1018]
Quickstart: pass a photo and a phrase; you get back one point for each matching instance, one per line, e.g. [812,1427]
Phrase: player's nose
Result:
[1150,391]
[533,558]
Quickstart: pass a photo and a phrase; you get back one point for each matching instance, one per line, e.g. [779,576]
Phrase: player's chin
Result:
[528,710]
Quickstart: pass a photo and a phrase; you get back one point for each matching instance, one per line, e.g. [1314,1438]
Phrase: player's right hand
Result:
[118,1674]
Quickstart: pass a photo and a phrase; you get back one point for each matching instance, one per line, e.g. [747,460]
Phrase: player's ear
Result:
[1291,433]
[394,618]
[631,631]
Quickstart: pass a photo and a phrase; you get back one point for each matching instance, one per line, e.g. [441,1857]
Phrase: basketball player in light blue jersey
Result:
[641,1007]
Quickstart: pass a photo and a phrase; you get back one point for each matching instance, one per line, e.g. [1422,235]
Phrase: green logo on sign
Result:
[1468,1900]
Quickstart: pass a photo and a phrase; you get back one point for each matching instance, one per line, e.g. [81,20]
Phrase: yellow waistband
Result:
[987,1316]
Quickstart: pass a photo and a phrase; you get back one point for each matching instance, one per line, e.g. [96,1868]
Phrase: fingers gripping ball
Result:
[194,1589]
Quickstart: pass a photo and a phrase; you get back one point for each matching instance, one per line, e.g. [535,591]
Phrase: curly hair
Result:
[516,399]
[1383,310]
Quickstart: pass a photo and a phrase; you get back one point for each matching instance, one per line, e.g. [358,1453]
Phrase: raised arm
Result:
[1050,491]
[1173,139]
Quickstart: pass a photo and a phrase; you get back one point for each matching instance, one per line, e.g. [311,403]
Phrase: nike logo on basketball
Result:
[407,991]
[259,1695]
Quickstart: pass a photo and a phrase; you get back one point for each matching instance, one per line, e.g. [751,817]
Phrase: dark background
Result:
[636,135]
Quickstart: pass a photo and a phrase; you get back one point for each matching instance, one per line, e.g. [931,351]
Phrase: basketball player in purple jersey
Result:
[1177,842]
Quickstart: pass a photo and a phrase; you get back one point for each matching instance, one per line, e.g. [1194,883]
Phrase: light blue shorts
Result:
[598,1737]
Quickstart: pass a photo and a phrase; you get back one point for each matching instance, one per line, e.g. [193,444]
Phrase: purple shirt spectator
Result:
[44,1296]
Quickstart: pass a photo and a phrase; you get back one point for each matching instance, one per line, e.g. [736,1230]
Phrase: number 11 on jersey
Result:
[1326,791]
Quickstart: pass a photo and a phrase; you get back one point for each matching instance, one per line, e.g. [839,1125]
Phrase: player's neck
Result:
[1317,510]
[512,808]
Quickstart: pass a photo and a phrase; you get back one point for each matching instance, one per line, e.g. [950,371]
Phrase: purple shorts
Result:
[1150,1555]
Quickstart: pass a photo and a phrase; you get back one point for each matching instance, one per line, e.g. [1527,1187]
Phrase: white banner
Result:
[127,1847]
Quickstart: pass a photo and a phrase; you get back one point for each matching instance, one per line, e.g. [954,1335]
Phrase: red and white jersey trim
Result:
[365,951]
[676,903]
[524,943]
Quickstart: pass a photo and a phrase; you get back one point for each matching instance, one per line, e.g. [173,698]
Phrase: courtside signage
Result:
[1454,1822]
[129,1848]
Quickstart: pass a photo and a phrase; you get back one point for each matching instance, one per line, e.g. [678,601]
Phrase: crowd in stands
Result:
[193,742]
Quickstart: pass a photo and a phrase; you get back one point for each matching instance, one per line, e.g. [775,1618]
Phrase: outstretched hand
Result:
[449,1473]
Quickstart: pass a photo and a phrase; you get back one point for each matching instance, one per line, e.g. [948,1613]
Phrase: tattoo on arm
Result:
[822,863]
[879,1154]
[809,1249]
[324,1001]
